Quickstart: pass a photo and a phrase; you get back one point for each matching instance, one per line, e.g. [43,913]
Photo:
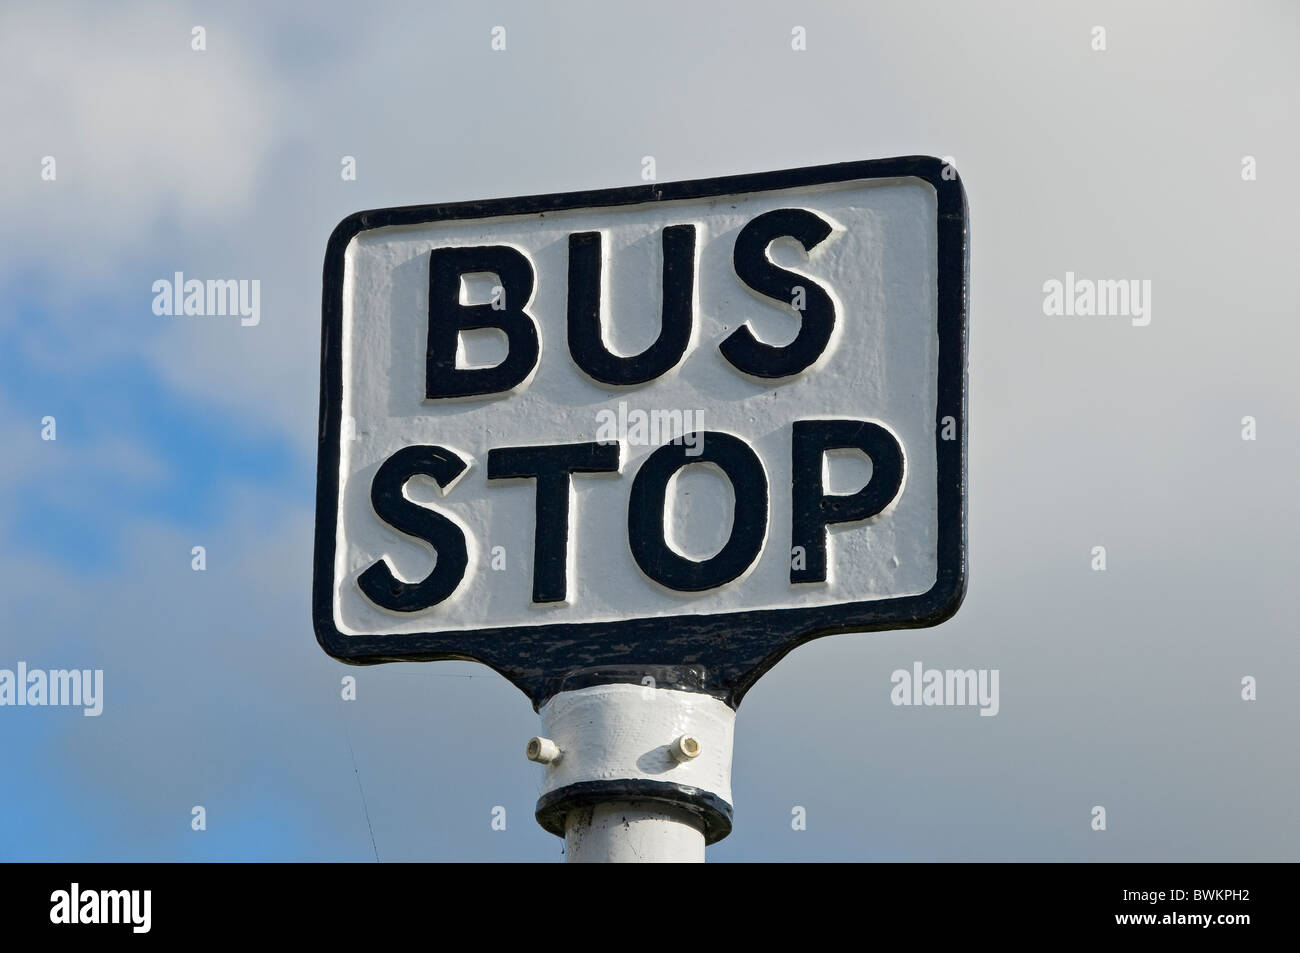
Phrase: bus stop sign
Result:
[660,434]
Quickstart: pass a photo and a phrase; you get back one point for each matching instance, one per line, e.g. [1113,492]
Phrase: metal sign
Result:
[663,433]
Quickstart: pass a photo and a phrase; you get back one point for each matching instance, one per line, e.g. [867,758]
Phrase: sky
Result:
[1120,689]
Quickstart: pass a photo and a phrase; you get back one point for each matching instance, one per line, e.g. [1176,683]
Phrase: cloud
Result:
[145,131]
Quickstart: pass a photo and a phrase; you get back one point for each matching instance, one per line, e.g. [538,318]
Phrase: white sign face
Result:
[611,428]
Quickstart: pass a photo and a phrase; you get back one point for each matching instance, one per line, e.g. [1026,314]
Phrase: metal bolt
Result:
[685,748]
[543,751]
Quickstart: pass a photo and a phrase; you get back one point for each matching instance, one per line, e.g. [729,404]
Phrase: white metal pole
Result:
[623,832]
[635,773]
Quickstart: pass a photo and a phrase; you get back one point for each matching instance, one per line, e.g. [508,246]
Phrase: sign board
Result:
[674,429]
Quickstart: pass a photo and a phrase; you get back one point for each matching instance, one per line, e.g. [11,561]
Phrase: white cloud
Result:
[145,132]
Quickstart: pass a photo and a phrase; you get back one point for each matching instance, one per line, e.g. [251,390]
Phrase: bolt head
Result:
[542,750]
[686,748]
